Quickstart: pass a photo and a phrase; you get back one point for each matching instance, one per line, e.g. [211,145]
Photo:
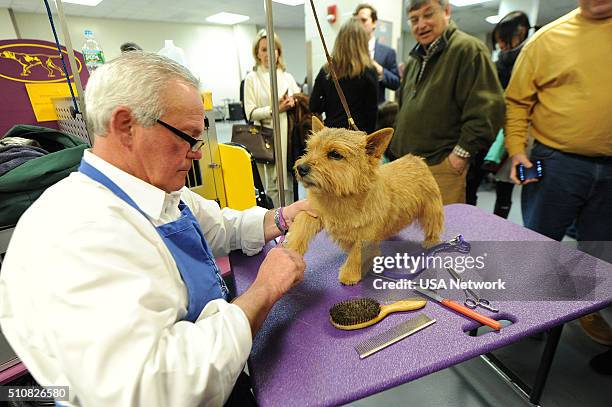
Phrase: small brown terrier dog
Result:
[358,199]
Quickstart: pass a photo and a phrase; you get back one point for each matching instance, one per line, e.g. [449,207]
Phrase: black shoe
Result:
[602,363]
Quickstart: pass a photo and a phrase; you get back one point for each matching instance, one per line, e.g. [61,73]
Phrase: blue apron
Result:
[188,247]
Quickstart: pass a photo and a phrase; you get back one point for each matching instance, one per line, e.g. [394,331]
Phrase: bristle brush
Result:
[359,313]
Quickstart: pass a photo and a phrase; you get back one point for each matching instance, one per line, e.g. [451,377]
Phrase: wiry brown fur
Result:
[358,199]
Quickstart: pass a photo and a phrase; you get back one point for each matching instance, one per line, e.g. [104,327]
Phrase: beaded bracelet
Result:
[282,220]
[279,221]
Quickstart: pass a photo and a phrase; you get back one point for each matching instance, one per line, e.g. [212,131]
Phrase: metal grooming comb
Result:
[392,335]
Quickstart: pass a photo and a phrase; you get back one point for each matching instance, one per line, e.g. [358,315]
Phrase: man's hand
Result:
[289,214]
[520,158]
[458,163]
[281,269]
[379,70]
[291,211]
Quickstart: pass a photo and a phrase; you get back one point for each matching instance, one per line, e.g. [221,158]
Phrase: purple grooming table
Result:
[11,373]
[298,358]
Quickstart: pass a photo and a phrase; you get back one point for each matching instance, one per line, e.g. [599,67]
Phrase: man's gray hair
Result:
[417,4]
[136,80]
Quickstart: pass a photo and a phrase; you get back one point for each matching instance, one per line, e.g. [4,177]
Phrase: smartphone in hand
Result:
[535,172]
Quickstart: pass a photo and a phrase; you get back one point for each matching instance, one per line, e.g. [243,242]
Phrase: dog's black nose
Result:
[303,169]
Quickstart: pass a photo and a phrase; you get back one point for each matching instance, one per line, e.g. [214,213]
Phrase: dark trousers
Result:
[241,394]
[503,198]
[573,187]
[474,177]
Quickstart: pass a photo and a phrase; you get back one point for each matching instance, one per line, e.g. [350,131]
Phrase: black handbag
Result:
[259,140]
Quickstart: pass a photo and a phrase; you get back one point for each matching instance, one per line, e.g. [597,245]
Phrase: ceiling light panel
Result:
[91,3]
[462,3]
[227,18]
[493,19]
[289,2]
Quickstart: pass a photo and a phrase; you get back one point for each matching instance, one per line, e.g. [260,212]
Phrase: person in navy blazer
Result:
[383,56]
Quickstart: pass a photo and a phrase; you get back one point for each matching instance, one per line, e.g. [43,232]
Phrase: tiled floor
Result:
[571,382]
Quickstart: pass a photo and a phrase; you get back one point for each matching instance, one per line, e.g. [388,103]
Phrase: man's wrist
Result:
[265,292]
[512,151]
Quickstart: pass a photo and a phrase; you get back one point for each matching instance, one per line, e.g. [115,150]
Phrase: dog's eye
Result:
[334,155]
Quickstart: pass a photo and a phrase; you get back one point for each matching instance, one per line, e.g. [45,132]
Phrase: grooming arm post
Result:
[278,147]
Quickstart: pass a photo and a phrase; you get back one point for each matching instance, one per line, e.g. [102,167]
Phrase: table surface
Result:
[298,358]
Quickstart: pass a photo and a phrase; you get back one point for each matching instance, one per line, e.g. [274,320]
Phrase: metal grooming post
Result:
[73,65]
[278,148]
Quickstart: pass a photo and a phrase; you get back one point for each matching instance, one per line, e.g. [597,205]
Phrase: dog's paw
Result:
[349,281]
[294,244]
[348,278]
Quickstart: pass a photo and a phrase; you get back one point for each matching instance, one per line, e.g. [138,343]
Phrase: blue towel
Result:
[13,156]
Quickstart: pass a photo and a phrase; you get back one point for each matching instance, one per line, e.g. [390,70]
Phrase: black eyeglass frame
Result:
[194,143]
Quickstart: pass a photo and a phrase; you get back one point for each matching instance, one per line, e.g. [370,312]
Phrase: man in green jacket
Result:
[451,104]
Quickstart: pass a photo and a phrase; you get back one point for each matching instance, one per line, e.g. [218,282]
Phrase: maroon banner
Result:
[29,61]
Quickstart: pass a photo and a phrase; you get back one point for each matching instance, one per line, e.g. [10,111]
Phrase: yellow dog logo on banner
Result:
[32,66]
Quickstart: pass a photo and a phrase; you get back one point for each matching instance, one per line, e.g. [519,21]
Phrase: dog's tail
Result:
[431,220]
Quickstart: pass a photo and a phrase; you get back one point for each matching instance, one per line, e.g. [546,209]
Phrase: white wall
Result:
[294,51]
[6,25]
[219,55]
[245,34]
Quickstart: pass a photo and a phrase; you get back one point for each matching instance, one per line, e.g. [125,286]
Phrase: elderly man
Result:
[383,57]
[565,106]
[109,285]
[451,103]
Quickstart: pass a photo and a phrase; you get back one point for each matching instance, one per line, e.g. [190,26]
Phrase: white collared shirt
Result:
[91,298]
[372,46]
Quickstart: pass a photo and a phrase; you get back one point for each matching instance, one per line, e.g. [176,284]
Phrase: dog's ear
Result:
[377,142]
[316,124]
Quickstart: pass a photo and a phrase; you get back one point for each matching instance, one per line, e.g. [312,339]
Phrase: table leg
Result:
[532,395]
[545,363]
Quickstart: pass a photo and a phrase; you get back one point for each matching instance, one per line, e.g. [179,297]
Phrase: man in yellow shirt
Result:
[560,94]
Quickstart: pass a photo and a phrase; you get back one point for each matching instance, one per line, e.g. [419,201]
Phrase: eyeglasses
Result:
[194,143]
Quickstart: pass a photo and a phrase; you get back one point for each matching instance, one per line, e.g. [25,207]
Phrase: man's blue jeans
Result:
[573,187]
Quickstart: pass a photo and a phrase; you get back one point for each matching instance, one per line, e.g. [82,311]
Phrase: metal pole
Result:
[309,78]
[278,148]
[73,66]
[14,22]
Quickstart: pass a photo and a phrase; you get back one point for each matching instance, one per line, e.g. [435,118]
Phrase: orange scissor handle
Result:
[472,314]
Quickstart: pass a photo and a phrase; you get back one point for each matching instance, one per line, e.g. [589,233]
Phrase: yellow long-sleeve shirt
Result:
[562,86]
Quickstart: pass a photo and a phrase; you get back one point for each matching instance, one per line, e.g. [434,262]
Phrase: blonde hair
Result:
[351,54]
[262,34]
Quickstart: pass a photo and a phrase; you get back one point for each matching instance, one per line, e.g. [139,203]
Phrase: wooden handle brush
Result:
[359,313]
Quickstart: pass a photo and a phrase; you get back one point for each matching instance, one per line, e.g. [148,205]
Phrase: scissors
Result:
[456,244]
[472,299]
